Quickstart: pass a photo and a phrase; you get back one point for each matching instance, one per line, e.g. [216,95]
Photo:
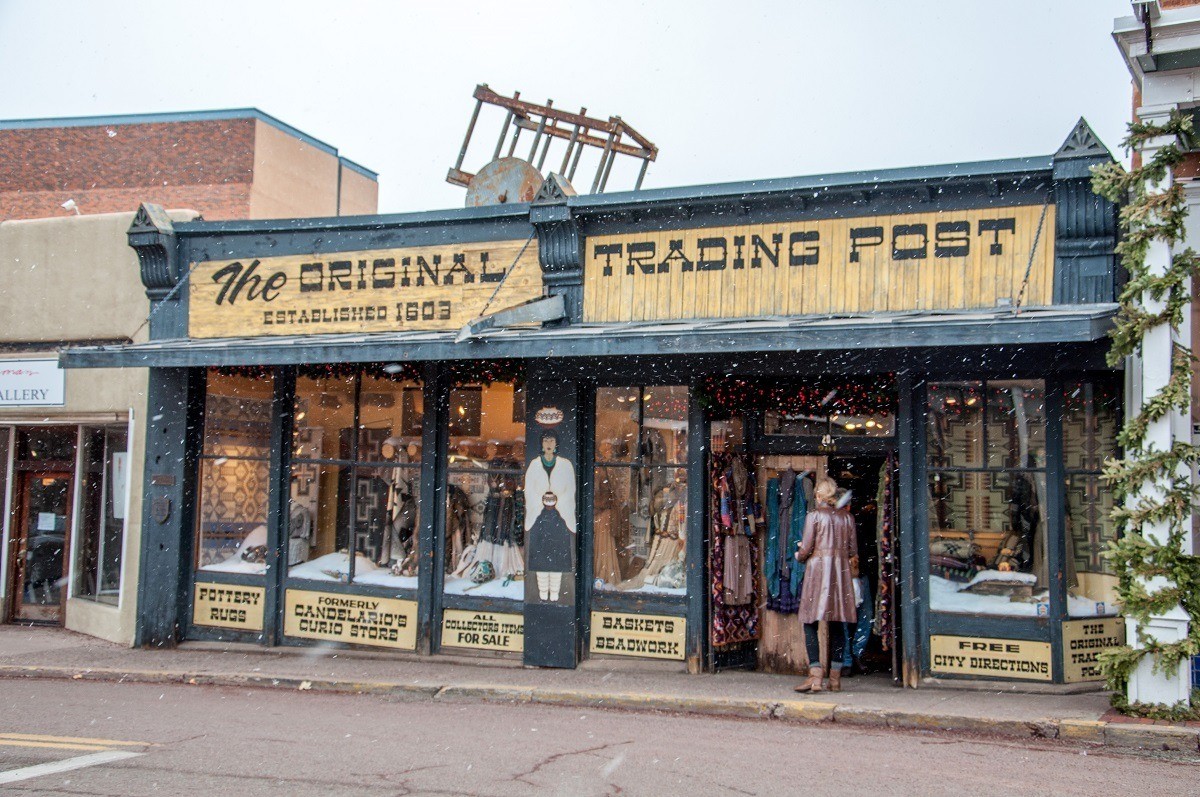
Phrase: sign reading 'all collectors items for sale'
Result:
[354,619]
[385,290]
[646,635]
[994,658]
[228,606]
[963,259]
[483,630]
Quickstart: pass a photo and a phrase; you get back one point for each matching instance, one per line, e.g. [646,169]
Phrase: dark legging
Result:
[837,642]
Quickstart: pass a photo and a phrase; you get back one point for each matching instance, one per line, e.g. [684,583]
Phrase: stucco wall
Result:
[291,178]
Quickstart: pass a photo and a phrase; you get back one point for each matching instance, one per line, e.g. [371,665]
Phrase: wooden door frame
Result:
[16,569]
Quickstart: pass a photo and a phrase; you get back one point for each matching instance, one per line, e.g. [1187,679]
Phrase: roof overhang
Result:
[917,329]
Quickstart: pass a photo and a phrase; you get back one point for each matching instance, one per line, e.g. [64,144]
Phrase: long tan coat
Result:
[830,539]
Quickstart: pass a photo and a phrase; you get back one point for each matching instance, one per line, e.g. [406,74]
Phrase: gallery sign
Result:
[32,383]
[483,630]
[354,619]
[1084,641]
[644,635]
[941,260]
[991,658]
[228,606]
[380,290]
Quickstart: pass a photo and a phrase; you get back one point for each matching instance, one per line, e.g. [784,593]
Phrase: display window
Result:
[353,512]
[231,530]
[987,498]
[485,502]
[639,521]
[1091,421]
[101,530]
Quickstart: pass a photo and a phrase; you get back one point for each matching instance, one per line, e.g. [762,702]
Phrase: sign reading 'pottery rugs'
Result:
[994,658]
[228,606]
[943,260]
[355,619]
[415,288]
[645,635]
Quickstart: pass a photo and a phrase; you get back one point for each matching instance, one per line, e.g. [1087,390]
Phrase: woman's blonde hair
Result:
[825,490]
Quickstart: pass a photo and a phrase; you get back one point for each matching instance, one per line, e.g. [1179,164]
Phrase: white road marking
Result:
[66,765]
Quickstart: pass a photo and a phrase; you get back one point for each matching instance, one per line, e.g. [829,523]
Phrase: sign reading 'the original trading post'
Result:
[646,635]
[996,658]
[1084,641]
[228,606]
[483,630]
[416,288]
[356,619]
[941,260]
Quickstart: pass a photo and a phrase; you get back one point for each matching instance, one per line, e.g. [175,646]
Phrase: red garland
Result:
[819,396]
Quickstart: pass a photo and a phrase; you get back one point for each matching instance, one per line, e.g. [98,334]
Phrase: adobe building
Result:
[72,445]
[587,425]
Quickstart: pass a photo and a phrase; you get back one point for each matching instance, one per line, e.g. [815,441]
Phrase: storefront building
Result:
[588,426]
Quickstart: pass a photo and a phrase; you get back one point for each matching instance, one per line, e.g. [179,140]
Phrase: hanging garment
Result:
[605,531]
[732,511]
[787,509]
[885,500]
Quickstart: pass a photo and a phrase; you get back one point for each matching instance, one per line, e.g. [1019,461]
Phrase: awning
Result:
[1001,326]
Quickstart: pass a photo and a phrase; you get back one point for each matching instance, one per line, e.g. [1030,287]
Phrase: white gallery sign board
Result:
[32,383]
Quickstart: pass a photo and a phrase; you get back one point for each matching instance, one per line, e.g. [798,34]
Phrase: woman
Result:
[830,540]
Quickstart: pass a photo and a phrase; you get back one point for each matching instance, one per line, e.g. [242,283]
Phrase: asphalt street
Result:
[80,738]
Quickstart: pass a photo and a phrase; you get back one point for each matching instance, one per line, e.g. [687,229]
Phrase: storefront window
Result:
[640,490]
[231,534]
[353,509]
[987,483]
[485,503]
[1091,420]
[101,530]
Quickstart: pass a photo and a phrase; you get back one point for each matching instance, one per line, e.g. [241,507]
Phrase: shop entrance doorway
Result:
[39,545]
[762,631]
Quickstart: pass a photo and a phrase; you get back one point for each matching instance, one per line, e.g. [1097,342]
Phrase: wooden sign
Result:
[919,261]
[355,619]
[385,290]
[644,635]
[228,606]
[483,630]
[1084,641]
[991,658]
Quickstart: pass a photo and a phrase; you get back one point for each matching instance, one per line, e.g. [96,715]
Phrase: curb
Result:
[1123,737]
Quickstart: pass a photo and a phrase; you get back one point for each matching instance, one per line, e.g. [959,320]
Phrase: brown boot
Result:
[835,680]
[813,684]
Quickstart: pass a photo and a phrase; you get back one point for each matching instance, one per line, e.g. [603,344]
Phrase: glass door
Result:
[39,545]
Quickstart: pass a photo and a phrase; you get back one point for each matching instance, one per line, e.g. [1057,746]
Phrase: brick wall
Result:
[206,165]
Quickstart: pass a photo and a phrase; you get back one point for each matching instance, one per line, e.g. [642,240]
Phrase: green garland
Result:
[1152,215]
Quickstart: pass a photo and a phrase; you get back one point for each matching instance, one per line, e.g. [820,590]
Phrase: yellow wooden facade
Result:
[888,276]
[417,288]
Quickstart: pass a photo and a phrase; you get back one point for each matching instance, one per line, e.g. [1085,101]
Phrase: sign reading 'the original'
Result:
[228,606]
[355,619]
[645,635]
[32,383]
[941,260]
[383,290]
[483,630]
[995,658]
[1084,641]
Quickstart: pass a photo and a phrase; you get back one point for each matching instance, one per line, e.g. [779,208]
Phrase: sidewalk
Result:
[870,702]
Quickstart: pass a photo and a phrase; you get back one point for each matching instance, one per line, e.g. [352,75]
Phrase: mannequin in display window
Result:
[398,551]
[550,524]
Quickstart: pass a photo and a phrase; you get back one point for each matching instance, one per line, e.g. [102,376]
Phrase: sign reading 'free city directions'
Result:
[941,260]
[383,290]
[994,658]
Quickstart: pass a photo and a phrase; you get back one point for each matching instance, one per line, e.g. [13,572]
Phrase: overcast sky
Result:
[728,91]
